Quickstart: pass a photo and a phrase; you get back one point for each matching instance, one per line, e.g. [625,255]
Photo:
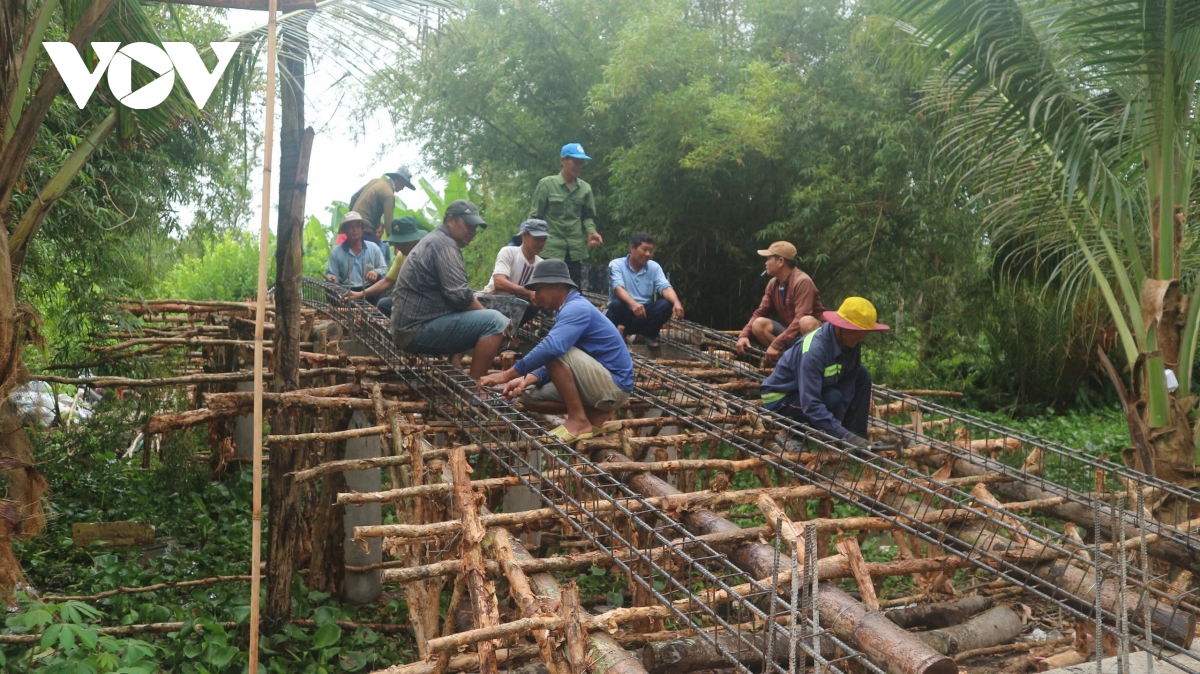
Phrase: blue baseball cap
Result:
[574,150]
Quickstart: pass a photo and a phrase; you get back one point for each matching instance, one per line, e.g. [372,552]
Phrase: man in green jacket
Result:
[376,202]
[566,203]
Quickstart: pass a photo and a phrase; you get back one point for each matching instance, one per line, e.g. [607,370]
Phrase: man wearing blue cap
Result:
[566,203]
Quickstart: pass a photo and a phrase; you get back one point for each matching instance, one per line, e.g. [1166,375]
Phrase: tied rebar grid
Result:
[693,339]
[1180,547]
[677,560]
[999,540]
[1058,459]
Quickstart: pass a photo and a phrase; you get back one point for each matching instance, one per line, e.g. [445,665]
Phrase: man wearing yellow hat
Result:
[821,380]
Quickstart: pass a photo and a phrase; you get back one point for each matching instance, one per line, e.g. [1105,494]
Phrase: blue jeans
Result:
[457,332]
[658,313]
[849,402]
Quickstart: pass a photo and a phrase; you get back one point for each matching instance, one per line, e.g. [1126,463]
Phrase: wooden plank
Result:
[112,533]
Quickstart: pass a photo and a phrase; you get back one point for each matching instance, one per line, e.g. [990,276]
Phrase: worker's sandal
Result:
[561,434]
[607,427]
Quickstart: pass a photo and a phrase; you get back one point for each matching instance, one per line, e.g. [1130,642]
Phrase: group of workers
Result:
[582,367]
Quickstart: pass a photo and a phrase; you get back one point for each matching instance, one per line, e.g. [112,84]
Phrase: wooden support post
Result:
[483,591]
[571,611]
[522,594]
[260,319]
[858,566]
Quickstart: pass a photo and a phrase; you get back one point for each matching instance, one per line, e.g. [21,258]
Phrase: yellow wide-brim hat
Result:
[856,313]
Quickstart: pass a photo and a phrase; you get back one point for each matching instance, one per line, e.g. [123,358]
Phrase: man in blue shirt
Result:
[582,367]
[633,280]
[821,380]
[355,263]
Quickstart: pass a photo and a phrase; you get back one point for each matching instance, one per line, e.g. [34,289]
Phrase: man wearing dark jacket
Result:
[821,380]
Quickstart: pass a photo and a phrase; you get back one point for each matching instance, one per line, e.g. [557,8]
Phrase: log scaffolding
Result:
[681,511]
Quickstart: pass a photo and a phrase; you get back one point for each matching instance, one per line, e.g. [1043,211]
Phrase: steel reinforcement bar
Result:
[1064,470]
[1021,550]
[629,525]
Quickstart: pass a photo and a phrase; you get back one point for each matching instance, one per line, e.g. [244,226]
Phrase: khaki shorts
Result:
[595,384]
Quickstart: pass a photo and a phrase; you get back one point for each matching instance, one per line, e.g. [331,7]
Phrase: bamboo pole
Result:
[260,319]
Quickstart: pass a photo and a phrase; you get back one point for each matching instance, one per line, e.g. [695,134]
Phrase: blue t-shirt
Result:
[641,285]
[581,324]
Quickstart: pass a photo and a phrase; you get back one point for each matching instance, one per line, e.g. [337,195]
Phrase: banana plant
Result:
[1072,126]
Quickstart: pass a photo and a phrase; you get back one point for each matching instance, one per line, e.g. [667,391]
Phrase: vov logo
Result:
[178,57]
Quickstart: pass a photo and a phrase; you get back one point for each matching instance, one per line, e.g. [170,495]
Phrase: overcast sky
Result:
[343,158]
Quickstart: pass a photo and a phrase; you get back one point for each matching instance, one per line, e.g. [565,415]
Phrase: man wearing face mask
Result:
[821,380]
[435,310]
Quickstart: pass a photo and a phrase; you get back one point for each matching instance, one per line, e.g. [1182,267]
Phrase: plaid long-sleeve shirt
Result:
[432,283]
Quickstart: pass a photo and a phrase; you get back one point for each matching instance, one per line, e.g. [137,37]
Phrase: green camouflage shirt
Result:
[571,215]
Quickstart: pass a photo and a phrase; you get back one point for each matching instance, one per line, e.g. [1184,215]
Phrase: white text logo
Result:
[178,57]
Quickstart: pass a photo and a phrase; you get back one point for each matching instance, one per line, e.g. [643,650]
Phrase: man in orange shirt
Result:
[792,295]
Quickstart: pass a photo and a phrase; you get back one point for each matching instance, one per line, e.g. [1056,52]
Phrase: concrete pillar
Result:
[243,429]
[362,587]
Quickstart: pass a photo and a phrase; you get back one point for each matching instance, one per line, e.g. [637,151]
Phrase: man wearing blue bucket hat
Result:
[566,203]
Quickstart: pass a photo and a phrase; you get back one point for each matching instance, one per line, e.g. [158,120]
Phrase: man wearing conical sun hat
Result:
[821,380]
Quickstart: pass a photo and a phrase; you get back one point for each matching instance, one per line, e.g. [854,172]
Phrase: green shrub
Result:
[228,270]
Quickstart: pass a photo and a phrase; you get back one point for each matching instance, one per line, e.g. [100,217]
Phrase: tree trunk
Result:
[16,151]
[286,524]
[35,215]
[997,626]
[13,18]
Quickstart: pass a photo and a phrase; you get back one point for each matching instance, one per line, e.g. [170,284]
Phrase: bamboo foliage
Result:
[1072,128]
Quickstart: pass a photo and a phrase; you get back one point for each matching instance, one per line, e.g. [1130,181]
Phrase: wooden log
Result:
[881,641]
[605,655]
[330,467]
[1067,658]
[1010,648]
[777,518]
[1167,550]
[572,627]
[522,592]
[483,591]
[999,625]
[1078,585]
[465,661]
[672,502]
[190,305]
[170,341]
[937,615]
[223,400]
[858,566]
[334,436]
[695,653]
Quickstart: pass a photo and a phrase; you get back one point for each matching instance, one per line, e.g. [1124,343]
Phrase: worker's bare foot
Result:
[578,426]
